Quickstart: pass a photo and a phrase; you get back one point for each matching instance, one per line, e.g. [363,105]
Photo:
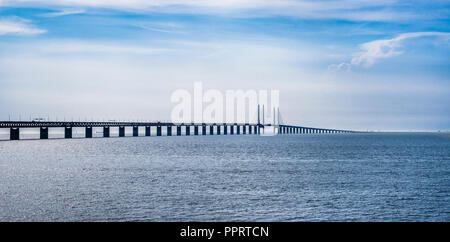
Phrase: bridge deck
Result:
[253,128]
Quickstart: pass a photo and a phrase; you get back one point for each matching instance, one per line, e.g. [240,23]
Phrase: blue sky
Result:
[378,65]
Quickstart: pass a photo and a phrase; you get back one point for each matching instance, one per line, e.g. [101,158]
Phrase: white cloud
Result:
[383,48]
[18,26]
[382,10]
[63,13]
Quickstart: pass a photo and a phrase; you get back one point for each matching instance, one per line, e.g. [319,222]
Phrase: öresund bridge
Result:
[159,127]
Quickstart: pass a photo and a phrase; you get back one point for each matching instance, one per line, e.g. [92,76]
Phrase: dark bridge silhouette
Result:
[213,128]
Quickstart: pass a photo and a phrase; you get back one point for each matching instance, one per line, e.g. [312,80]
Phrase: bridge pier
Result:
[135,131]
[178,130]
[158,131]
[147,130]
[211,130]
[195,130]
[238,129]
[121,131]
[88,132]
[225,129]
[203,129]
[68,133]
[169,130]
[106,131]
[43,133]
[218,129]
[244,131]
[14,134]
[188,129]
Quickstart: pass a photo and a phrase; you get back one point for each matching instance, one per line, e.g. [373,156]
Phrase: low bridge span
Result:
[188,128]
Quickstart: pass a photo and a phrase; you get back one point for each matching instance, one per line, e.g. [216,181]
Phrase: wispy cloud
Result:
[383,48]
[164,27]
[18,26]
[63,13]
[361,10]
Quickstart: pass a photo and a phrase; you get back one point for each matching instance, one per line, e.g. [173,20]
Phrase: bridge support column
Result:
[121,131]
[178,130]
[68,133]
[203,129]
[135,131]
[188,130]
[255,128]
[88,132]
[14,134]
[195,130]
[147,130]
[225,129]
[43,133]
[249,129]
[232,129]
[106,131]
[244,130]
[158,131]
[169,130]
[238,129]
[218,129]
[211,130]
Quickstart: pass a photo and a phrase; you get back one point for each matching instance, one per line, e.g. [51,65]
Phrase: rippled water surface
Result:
[350,177]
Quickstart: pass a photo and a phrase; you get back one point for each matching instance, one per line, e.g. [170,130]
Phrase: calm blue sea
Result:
[333,177]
